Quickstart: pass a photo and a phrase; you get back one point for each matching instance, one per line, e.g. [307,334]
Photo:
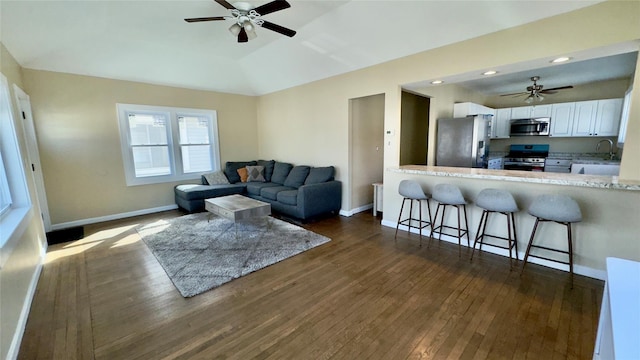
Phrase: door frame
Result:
[23,103]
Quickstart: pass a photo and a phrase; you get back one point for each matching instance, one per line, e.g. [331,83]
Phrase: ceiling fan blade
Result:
[242,36]
[279,29]
[517,94]
[225,4]
[554,90]
[204,19]
[273,6]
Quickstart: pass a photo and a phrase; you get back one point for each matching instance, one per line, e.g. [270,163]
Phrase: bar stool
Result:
[450,195]
[502,202]
[560,209]
[412,191]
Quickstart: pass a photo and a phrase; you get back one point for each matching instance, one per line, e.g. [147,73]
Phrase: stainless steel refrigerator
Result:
[463,142]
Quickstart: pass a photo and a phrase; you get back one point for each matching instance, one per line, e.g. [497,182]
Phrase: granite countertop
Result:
[590,181]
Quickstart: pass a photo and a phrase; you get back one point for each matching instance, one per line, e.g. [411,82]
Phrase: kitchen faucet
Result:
[611,154]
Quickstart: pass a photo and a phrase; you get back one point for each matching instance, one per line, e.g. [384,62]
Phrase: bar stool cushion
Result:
[496,200]
[560,208]
[448,194]
[412,190]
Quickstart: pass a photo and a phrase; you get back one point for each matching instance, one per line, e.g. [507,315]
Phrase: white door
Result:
[584,118]
[24,112]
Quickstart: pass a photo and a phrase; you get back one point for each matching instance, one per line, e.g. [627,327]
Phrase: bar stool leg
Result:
[482,226]
[526,254]
[420,220]
[399,217]
[435,219]
[444,207]
[515,236]
[466,224]
[509,240]
[570,252]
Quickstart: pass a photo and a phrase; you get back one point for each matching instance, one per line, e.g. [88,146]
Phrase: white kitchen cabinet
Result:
[527,112]
[501,124]
[469,108]
[584,118]
[538,111]
[597,117]
[608,117]
[521,112]
[562,119]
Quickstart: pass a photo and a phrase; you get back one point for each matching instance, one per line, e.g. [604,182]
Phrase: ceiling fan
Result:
[535,91]
[246,17]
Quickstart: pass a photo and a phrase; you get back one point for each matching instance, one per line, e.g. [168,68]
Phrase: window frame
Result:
[176,166]
[14,181]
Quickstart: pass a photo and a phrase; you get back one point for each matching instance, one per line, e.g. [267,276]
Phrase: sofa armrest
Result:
[316,199]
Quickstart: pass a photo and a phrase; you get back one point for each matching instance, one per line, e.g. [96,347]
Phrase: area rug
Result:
[201,251]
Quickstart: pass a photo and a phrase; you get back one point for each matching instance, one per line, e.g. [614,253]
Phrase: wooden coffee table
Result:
[237,208]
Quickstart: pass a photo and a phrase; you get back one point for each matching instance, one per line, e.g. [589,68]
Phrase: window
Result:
[14,195]
[5,193]
[162,144]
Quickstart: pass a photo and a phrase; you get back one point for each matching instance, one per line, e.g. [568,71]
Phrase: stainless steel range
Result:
[526,157]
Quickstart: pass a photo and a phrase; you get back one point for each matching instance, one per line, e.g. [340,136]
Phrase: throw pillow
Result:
[268,168]
[319,175]
[255,173]
[297,176]
[280,172]
[216,178]
[243,173]
[231,169]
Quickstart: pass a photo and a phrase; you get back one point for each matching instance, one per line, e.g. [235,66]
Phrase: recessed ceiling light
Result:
[490,72]
[437,82]
[560,59]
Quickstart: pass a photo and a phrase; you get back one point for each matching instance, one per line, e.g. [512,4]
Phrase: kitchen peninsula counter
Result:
[609,205]
[589,181]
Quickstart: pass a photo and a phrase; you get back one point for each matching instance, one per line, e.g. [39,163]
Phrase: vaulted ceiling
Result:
[148,40]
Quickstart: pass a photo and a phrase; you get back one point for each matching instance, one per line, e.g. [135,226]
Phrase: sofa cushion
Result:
[319,175]
[296,177]
[271,192]
[254,188]
[231,169]
[289,197]
[280,172]
[197,192]
[255,173]
[215,178]
[268,168]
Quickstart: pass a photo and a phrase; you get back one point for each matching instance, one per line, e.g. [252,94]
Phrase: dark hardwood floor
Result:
[360,296]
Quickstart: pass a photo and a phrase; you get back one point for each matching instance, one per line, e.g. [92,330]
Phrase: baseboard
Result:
[360,209]
[14,348]
[578,269]
[99,219]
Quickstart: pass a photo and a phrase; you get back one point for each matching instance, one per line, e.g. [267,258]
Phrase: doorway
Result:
[24,112]
[366,149]
[414,129]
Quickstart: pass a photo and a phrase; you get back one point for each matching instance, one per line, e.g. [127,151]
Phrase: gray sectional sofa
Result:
[302,192]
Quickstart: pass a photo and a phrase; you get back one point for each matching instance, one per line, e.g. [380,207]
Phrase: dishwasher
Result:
[557,165]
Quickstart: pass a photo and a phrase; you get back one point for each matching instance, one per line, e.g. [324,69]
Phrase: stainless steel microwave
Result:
[530,127]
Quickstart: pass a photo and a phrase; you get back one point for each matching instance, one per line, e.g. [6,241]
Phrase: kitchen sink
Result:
[596,169]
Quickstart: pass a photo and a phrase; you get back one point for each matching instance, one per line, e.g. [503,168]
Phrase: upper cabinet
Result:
[562,119]
[527,112]
[597,118]
[469,108]
[501,124]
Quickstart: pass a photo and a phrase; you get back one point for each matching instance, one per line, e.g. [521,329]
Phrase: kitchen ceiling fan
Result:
[245,18]
[536,91]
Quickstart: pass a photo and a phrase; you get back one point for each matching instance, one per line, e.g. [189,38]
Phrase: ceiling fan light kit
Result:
[535,91]
[246,18]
